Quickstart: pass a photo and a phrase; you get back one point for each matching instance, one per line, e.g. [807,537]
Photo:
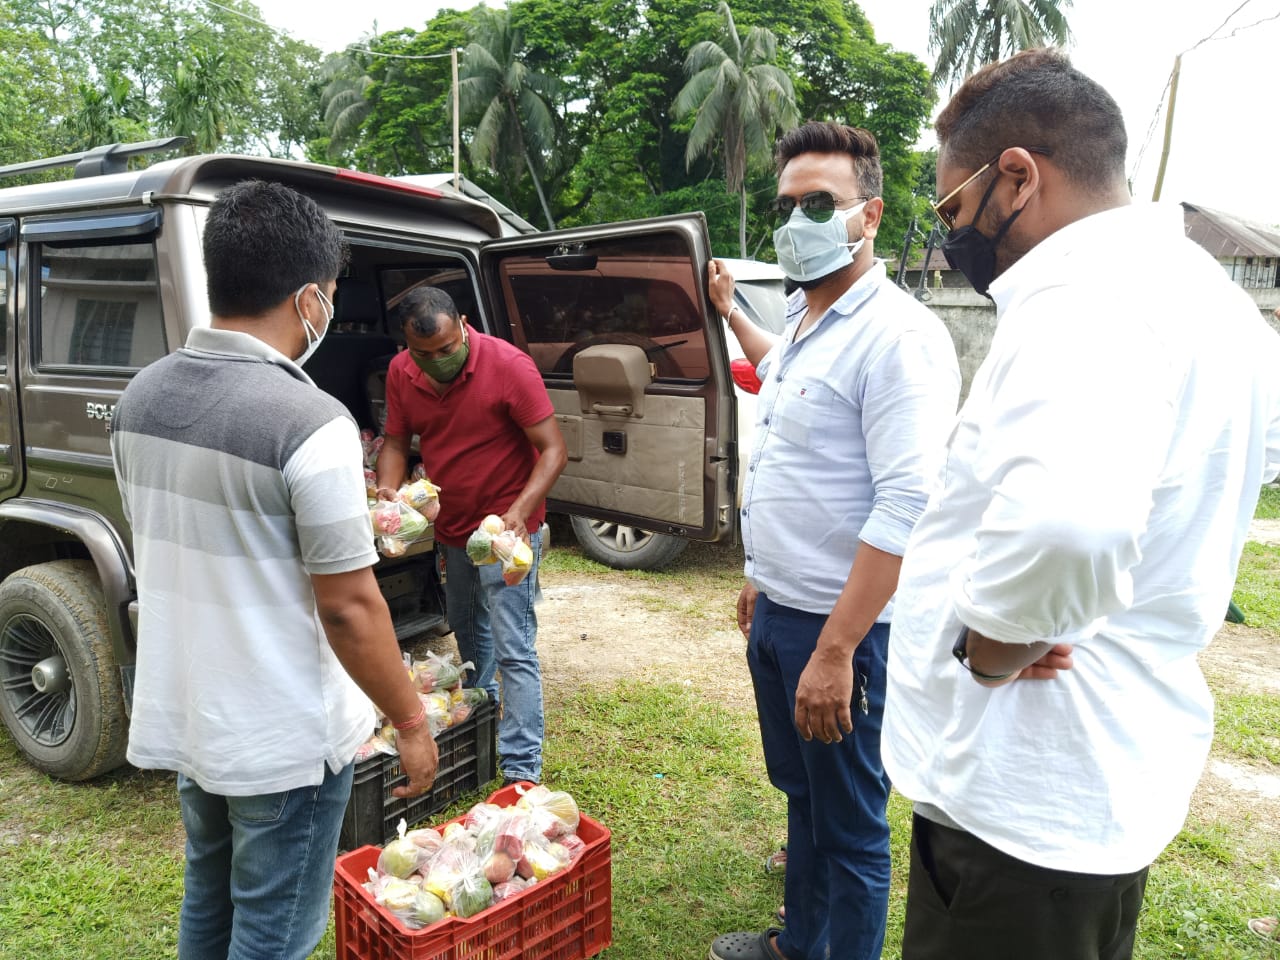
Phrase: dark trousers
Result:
[968,901]
[837,878]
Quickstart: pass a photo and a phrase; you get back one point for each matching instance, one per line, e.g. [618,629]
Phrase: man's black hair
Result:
[821,136]
[262,241]
[1037,99]
[419,312]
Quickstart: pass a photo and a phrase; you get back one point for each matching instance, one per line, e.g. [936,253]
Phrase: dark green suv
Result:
[101,274]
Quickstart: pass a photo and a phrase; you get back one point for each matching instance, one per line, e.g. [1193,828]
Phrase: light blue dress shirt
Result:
[850,424]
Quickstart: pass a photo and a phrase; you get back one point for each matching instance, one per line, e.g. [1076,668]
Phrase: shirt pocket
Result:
[802,414]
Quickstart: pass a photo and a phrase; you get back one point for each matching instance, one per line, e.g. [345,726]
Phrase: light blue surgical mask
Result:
[809,251]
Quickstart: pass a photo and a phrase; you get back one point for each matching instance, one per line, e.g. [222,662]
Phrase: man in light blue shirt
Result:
[857,398]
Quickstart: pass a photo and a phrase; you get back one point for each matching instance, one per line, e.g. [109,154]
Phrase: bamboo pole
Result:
[1168,126]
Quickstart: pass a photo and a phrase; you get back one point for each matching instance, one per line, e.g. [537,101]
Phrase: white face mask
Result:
[810,251]
[313,338]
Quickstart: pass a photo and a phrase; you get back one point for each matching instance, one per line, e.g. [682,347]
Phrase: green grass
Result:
[1248,726]
[95,870]
[679,782]
[1257,590]
[1200,894]
[1268,504]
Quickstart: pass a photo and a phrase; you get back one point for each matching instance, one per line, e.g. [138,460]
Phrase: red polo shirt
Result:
[472,438]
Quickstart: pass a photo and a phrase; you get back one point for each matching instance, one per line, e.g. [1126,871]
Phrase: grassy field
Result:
[94,871]
[1268,504]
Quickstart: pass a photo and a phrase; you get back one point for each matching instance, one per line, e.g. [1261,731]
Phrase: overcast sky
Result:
[1226,132]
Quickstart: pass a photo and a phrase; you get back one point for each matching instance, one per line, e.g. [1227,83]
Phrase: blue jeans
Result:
[497,630]
[259,870]
[837,878]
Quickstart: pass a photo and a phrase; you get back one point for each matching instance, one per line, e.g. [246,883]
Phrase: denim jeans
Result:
[837,878]
[497,630]
[259,870]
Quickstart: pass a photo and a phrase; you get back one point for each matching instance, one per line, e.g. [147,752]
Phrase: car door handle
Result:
[612,410]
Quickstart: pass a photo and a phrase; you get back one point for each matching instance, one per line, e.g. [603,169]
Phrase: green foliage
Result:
[199,102]
[98,71]
[35,90]
[405,124]
[109,113]
[1257,590]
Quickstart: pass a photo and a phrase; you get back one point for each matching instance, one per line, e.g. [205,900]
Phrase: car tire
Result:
[624,547]
[60,692]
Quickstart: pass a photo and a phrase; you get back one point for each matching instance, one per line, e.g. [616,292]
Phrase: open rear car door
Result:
[618,321]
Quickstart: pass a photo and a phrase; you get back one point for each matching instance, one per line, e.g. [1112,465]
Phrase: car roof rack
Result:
[97,161]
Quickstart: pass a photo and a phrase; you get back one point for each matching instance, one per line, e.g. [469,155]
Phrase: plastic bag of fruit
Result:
[395,526]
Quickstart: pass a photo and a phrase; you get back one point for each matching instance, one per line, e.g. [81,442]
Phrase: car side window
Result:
[99,306]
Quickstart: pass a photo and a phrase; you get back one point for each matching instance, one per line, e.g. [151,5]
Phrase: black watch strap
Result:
[960,650]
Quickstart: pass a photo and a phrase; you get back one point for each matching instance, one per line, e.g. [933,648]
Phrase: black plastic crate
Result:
[468,761]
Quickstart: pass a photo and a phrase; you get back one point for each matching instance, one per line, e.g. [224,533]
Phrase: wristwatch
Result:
[960,650]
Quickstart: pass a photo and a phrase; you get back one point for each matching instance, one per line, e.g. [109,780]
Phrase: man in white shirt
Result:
[856,396]
[1046,711]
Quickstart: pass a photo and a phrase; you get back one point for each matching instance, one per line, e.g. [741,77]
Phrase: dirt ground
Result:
[603,627]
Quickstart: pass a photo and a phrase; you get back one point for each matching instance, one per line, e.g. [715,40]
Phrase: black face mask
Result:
[974,253]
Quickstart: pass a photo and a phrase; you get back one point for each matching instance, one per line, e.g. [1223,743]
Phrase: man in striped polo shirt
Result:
[262,634]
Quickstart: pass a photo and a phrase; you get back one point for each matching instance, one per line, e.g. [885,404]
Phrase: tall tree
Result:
[966,34]
[344,100]
[200,101]
[740,98]
[512,101]
[106,114]
[36,92]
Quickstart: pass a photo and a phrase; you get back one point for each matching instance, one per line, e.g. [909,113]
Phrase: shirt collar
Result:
[235,344]
[1072,248]
[848,302]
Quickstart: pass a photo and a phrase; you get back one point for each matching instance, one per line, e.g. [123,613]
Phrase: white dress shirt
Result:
[1097,490]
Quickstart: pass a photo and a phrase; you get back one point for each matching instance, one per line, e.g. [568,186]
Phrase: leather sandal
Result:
[746,946]
[776,862]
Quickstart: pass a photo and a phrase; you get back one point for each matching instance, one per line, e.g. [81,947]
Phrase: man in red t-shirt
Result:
[488,438]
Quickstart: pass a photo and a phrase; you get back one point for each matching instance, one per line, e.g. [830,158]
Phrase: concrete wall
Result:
[972,322]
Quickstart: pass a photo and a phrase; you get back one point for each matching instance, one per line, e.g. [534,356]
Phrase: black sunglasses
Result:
[819,206]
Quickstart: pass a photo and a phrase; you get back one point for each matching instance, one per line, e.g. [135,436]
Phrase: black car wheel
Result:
[625,547]
[60,693]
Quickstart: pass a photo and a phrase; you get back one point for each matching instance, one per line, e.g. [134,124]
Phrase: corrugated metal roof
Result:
[1225,236]
[936,260]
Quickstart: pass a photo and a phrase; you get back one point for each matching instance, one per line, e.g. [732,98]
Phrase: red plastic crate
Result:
[567,916]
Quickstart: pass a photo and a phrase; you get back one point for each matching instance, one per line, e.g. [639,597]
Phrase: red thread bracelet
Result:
[418,719]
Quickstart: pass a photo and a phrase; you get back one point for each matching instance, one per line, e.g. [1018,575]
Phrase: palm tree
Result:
[200,100]
[344,101]
[741,97]
[966,34]
[106,114]
[513,103]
